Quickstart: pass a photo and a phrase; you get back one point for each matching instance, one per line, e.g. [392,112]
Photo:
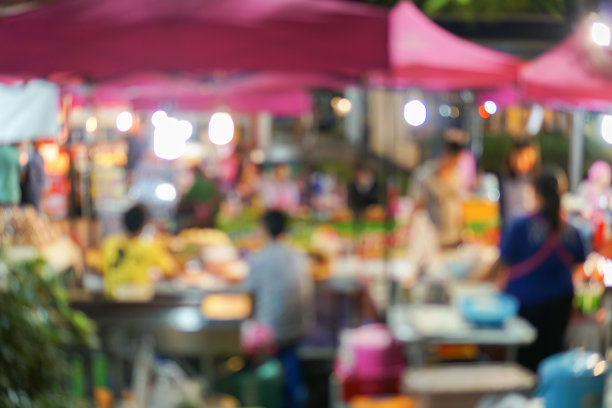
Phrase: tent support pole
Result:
[476,129]
[576,156]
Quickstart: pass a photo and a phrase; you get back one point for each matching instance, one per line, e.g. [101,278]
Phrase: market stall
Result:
[193,301]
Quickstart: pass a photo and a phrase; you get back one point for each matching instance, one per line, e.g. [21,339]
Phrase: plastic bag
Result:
[257,338]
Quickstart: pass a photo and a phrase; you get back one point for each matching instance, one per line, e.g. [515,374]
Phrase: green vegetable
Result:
[37,328]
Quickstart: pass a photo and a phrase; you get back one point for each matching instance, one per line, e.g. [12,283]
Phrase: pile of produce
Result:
[208,258]
[24,234]
[202,258]
[24,227]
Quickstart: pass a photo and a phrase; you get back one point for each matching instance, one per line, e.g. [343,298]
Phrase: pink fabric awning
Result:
[564,76]
[424,55]
[104,39]
[280,93]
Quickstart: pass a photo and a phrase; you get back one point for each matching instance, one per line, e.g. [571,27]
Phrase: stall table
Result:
[174,322]
[421,326]
[464,385]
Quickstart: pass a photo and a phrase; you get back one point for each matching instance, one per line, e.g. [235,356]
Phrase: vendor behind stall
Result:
[200,205]
[131,262]
[280,191]
[440,192]
[363,190]
[518,197]
[538,254]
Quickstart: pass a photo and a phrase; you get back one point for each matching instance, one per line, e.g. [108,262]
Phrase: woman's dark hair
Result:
[548,187]
[516,148]
[275,223]
[134,219]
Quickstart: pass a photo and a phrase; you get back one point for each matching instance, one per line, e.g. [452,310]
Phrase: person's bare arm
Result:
[493,272]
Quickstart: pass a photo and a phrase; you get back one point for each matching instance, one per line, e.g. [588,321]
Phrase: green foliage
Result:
[473,8]
[37,326]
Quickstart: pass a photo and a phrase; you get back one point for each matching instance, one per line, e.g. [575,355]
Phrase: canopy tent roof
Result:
[567,75]
[277,93]
[425,55]
[105,39]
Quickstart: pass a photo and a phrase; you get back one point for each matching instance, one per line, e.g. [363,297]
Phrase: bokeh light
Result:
[415,113]
[483,112]
[342,107]
[600,34]
[158,117]
[91,124]
[185,129]
[168,142]
[490,107]
[606,128]
[165,192]
[445,111]
[454,112]
[124,122]
[221,128]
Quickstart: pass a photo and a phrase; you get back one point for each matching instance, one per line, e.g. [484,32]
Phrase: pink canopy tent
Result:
[424,55]
[105,39]
[280,93]
[502,96]
[564,77]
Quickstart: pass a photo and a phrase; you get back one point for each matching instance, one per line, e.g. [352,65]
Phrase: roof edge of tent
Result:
[409,6]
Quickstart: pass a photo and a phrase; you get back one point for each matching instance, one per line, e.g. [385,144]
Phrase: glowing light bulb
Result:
[445,111]
[124,121]
[91,124]
[167,141]
[454,112]
[165,192]
[185,129]
[343,107]
[158,117]
[415,113]
[221,128]
[483,112]
[600,34]
[606,128]
[490,107]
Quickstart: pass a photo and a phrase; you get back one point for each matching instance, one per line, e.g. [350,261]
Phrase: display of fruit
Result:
[343,215]
[320,265]
[375,213]
[235,271]
[23,226]
[326,240]
[204,237]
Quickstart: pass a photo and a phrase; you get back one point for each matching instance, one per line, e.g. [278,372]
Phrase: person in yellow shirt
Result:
[132,261]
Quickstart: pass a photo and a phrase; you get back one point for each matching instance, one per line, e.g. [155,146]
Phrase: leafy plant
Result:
[473,8]
[37,326]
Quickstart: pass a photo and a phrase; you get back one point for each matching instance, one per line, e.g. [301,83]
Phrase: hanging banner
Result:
[28,111]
